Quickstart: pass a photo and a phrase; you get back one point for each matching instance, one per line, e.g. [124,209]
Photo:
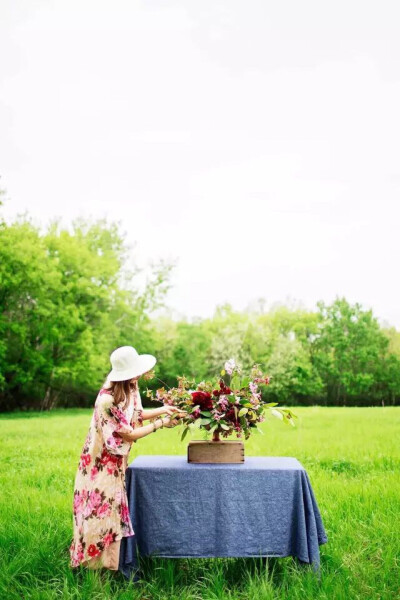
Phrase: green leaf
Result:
[243,411]
[232,398]
[235,383]
[204,421]
[185,431]
[245,382]
[224,426]
[244,401]
[206,413]
[270,404]
[223,372]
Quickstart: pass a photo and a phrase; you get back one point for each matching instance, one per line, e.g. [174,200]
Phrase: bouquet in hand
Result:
[231,404]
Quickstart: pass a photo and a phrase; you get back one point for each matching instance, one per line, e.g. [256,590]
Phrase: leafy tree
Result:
[69,296]
[350,350]
[67,300]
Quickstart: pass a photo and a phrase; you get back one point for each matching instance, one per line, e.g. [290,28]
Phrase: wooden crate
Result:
[224,451]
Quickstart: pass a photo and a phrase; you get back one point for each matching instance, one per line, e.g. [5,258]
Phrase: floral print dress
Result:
[100,504]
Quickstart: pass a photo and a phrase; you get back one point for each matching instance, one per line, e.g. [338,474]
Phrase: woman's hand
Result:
[170,410]
[172,422]
[168,422]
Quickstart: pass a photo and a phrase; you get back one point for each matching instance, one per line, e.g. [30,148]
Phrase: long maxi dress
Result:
[100,504]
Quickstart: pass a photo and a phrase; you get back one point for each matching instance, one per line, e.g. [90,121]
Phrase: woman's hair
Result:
[121,390]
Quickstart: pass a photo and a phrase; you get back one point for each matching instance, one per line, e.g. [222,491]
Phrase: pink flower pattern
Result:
[100,503]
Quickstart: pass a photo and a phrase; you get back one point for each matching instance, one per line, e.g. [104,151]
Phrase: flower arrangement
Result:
[231,404]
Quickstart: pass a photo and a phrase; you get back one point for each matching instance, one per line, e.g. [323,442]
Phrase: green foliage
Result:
[67,299]
[351,354]
[336,355]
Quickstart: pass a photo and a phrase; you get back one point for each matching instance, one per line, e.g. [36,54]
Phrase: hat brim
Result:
[143,363]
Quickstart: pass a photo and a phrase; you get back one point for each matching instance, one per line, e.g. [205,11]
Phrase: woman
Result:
[100,506]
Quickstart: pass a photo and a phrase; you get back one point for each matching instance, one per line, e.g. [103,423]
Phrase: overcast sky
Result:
[256,143]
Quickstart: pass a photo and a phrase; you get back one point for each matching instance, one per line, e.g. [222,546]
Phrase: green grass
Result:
[352,456]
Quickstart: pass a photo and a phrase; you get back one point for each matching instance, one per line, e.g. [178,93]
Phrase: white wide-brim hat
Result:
[127,363]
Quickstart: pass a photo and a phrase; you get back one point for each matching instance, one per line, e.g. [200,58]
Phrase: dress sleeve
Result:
[137,418]
[111,422]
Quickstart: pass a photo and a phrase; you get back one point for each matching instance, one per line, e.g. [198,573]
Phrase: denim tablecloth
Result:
[262,507]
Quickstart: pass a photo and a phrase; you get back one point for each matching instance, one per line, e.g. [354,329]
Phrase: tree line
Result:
[69,296]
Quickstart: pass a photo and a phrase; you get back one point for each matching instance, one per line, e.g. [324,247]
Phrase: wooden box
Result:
[224,451]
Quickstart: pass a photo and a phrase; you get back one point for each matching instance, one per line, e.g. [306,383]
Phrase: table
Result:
[262,507]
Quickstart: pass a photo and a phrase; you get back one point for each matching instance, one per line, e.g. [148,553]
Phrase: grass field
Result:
[352,456]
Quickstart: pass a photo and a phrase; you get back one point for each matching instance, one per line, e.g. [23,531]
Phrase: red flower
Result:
[93,551]
[85,460]
[224,390]
[203,399]
[230,416]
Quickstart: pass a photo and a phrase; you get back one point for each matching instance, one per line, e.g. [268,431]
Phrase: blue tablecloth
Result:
[262,507]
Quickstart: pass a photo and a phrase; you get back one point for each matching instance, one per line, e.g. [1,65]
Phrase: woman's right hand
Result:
[168,422]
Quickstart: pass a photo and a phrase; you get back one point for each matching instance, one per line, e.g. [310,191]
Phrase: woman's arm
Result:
[146,429]
[152,413]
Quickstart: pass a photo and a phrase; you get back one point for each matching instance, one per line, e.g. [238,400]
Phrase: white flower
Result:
[230,366]
[277,414]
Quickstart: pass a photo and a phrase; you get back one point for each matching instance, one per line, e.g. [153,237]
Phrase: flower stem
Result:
[216,437]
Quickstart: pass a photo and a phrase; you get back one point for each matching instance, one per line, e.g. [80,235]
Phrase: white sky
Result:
[257,143]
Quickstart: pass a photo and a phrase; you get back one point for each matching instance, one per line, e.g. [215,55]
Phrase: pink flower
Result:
[76,554]
[80,556]
[94,500]
[79,552]
[124,512]
[253,387]
[104,510]
[112,442]
[78,502]
[107,539]
[119,415]
[93,473]
[217,416]
[223,402]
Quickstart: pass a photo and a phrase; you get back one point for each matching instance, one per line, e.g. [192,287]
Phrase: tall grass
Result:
[352,456]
